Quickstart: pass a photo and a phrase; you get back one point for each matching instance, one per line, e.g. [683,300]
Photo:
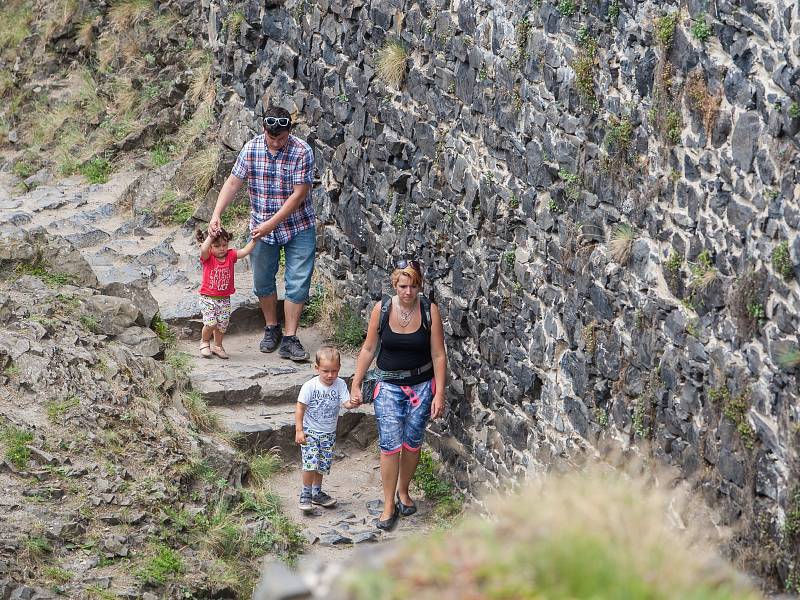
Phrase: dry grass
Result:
[202,89]
[124,15]
[597,537]
[201,167]
[702,100]
[200,414]
[59,16]
[391,63]
[704,280]
[621,243]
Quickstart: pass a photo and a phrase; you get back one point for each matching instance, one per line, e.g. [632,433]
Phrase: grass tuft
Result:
[163,564]
[263,466]
[16,440]
[96,170]
[621,243]
[200,414]
[448,502]
[391,62]
[348,328]
[201,167]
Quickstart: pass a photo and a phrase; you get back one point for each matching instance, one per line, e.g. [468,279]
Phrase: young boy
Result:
[315,418]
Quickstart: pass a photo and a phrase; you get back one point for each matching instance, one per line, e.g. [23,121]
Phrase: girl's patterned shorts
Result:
[317,452]
[216,311]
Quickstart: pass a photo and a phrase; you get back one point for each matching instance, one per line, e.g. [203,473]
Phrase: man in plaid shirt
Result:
[279,169]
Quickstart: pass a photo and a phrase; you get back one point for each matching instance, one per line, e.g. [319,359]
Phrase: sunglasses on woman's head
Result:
[403,263]
[277,121]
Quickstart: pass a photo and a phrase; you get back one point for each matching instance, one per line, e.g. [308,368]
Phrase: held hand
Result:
[214,226]
[300,437]
[437,406]
[355,396]
[261,230]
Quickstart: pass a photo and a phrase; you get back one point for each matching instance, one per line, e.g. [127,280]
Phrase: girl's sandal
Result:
[219,351]
[205,350]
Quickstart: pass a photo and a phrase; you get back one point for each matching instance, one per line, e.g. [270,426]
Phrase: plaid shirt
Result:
[271,180]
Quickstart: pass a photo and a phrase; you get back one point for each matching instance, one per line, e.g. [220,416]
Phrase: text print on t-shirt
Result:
[323,405]
[220,278]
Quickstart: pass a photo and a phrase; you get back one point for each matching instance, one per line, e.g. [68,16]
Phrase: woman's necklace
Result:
[405,315]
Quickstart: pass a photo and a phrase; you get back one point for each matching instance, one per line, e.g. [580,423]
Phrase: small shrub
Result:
[16,441]
[665,30]
[736,410]
[25,167]
[513,202]
[589,337]
[585,65]
[89,323]
[567,7]
[162,330]
[572,187]
[791,526]
[673,125]
[179,362]
[234,23]
[674,263]
[35,547]
[163,564]
[621,243]
[618,137]
[448,502]
[703,271]
[781,261]
[700,29]
[97,170]
[391,62]
[509,258]
[794,110]
[601,416]
[349,330]
[613,11]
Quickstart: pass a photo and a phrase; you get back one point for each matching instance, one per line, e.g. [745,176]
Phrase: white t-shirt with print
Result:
[323,404]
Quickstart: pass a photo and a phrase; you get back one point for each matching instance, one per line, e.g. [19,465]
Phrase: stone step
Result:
[251,376]
[264,427]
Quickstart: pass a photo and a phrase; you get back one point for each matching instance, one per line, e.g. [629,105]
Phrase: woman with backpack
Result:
[408,384]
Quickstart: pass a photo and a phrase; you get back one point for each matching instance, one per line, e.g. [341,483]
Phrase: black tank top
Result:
[404,351]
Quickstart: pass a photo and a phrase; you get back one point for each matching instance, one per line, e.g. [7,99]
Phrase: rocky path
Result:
[155,265]
[255,395]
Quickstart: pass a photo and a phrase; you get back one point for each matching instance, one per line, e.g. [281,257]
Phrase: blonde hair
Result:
[328,353]
[410,272]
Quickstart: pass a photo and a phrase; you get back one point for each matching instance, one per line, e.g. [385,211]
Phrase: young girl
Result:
[316,415]
[217,287]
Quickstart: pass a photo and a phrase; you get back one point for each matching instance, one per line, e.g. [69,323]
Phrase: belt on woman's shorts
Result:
[381,375]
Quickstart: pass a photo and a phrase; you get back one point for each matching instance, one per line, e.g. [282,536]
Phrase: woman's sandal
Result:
[205,350]
[220,351]
[405,509]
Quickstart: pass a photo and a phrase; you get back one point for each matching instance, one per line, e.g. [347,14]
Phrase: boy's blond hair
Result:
[328,353]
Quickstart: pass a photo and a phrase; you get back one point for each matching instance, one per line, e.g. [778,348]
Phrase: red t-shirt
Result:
[218,275]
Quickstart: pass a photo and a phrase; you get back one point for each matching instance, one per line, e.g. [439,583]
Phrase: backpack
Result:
[386,307]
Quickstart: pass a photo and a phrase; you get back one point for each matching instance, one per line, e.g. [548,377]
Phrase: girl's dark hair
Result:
[223,233]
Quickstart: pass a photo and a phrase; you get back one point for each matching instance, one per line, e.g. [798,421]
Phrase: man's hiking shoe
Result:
[292,349]
[305,501]
[272,335]
[322,499]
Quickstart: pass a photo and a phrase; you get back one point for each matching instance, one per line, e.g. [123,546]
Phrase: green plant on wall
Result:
[781,261]
[700,29]
[665,30]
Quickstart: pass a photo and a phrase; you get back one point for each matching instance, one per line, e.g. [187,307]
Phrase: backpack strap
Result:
[425,303]
[386,307]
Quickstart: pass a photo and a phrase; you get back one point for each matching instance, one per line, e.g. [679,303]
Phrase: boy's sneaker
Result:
[305,501]
[292,349]
[272,335]
[322,499]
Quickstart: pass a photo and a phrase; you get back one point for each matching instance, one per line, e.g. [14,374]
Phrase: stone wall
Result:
[523,137]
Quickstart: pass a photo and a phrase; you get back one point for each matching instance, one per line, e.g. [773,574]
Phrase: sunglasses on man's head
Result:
[277,122]
[404,262]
